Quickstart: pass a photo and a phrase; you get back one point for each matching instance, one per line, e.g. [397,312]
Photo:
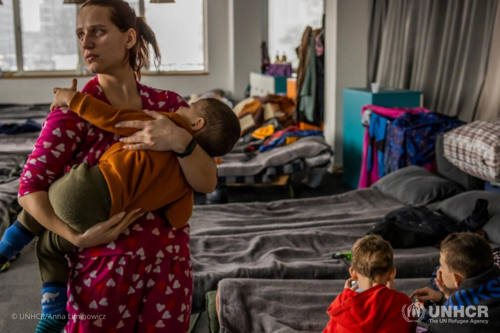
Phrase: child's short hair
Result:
[372,256]
[467,253]
[222,128]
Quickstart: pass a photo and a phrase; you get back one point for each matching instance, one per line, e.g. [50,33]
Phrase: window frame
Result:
[81,70]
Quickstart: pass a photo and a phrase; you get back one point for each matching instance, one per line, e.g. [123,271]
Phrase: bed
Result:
[290,239]
[295,239]
[14,149]
[250,305]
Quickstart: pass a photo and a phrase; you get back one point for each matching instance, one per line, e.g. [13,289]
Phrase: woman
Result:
[140,280]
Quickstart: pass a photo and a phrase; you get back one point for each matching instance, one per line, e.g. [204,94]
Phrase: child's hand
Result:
[63,96]
[440,283]
[348,285]
[427,294]
[390,285]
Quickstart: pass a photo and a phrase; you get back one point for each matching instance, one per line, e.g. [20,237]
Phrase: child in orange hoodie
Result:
[372,305]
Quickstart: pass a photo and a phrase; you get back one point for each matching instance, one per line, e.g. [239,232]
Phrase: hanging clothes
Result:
[307,97]
[378,133]
[367,177]
[412,138]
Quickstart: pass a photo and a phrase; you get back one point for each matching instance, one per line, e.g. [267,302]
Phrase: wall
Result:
[346,58]
[248,28]
[21,90]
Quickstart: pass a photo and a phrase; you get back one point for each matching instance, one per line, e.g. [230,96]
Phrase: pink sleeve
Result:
[60,138]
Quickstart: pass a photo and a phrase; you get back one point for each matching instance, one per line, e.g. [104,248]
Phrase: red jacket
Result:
[377,310]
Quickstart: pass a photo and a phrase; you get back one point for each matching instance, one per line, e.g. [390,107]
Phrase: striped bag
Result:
[475,149]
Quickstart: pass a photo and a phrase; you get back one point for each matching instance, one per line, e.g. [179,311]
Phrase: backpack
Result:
[409,226]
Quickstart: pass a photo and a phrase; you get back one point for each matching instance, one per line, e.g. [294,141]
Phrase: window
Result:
[48,44]
[287,22]
[180,33]
[8,61]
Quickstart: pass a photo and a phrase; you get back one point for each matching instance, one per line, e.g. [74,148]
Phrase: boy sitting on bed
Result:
[370,306]
[469,280]
[124,180]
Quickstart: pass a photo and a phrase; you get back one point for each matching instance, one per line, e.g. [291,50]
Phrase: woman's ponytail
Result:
[145,38]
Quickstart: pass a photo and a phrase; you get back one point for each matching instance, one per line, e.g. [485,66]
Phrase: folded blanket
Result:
[235,164]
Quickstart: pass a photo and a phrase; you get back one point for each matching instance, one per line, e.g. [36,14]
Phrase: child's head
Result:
[464,255]
[372,258]
[215,126]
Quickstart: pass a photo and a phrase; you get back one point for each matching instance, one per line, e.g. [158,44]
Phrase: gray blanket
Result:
[234,164]
[290,239]
[257,306]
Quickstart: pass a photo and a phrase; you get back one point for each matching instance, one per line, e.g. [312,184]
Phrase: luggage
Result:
[410,227]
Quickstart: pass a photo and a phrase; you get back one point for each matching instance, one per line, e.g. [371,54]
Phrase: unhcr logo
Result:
[413,313]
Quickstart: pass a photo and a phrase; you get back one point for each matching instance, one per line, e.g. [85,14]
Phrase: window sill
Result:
[7,75]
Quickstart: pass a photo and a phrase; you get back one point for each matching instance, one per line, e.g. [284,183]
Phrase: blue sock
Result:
[54,298]
[54,314]
[15,238]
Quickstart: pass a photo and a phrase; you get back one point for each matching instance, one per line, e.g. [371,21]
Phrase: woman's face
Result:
[102,45]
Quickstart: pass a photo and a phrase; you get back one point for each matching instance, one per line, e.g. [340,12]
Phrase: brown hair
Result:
[124,18]
[372,256]
[467,253]
[222,128]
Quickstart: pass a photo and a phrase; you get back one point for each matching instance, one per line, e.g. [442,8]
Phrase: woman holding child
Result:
[127,279]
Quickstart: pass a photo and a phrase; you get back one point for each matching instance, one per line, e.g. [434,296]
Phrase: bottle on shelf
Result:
[283,58]
[277,58]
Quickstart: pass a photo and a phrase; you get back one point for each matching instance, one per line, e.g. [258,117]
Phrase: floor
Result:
[330,185]
[20,285]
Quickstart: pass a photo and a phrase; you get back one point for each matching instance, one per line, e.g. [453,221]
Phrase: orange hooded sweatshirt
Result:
[376,310]
[138,179]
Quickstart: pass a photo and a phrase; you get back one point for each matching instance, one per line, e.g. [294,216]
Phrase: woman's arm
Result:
[161,134]
[38,205]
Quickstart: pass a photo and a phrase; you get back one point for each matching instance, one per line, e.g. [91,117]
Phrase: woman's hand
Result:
[108,231]
[160,134]
[63,96]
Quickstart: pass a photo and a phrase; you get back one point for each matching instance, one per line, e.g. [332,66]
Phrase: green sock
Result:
[52,323]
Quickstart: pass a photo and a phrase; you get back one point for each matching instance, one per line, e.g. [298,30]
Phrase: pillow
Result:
[462,205]
[416,186]
[492,229]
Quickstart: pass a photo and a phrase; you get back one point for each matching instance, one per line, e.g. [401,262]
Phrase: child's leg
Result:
[18,235]
[54,271]
[81,198]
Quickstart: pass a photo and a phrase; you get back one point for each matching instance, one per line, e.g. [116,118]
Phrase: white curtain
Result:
[439,47]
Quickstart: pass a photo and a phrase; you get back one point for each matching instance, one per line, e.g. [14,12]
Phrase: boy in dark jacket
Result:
[370,306]
[469,281]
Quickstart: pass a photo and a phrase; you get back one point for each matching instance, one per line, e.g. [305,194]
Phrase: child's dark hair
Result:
[123,16]
[222,128]
[467,253]
[372,256]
